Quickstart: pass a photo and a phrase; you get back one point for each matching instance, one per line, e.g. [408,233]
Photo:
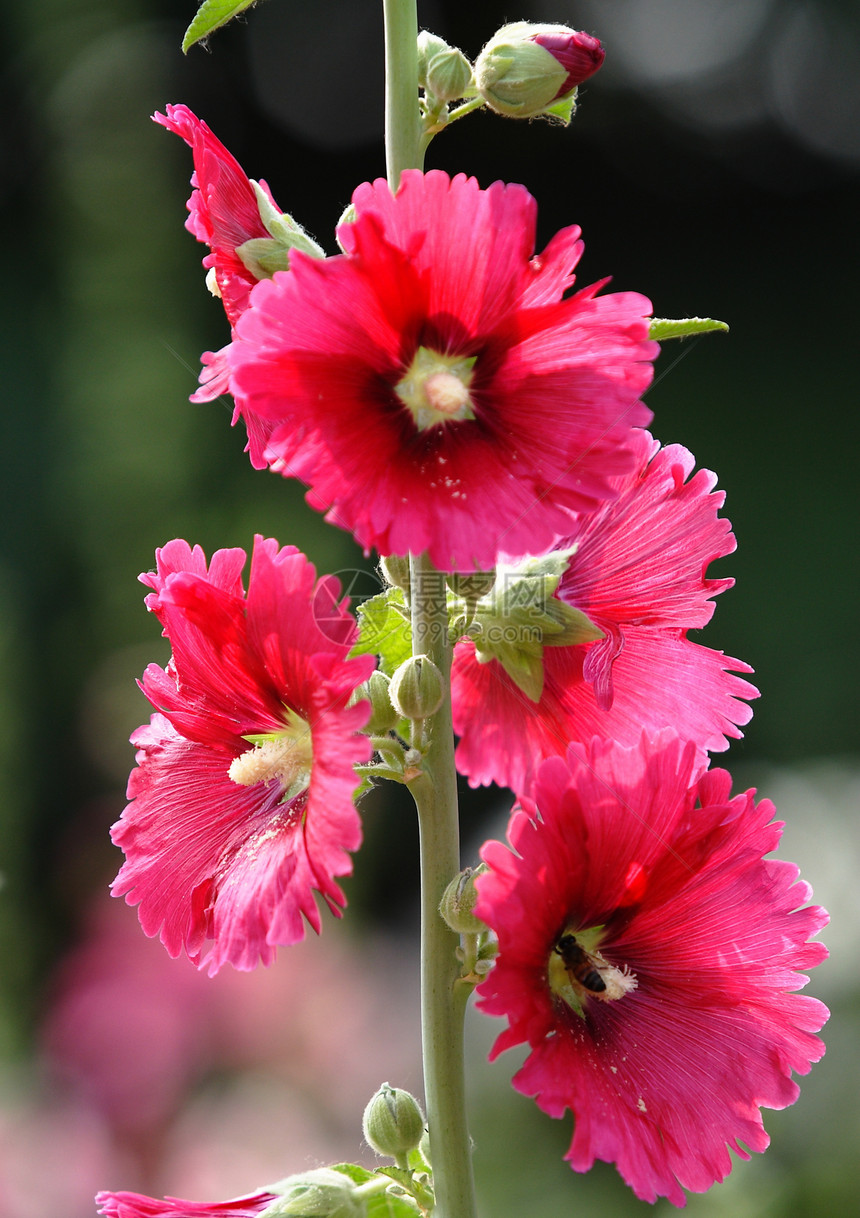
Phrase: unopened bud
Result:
[383,716]
[429,46]
[395,568]
[525,68]
[417,689]
[458,901]
[393,1123]
[443,70]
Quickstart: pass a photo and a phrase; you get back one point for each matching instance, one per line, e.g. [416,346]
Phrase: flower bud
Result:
[527,67]
[383,716]
[443,70]
[322,1193]
[393,1123]
[417,688]
[458,901]
[395,568]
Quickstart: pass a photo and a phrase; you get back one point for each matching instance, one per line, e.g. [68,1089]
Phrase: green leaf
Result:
[211,15]
[663,327]
[384,630]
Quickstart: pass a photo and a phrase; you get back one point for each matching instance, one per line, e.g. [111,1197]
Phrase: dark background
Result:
[713,166]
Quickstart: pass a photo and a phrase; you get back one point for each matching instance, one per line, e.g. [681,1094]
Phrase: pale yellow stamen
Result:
[446,394]
[286,756]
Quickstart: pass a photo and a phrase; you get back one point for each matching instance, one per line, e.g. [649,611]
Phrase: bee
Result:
[582,967]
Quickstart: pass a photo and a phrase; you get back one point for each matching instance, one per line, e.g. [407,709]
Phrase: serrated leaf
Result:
[662,328]
[384,631]
[211,15]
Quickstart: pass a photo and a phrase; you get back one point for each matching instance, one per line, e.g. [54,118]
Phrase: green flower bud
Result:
[395,568]
[417,688]
[383,716]
[393,1123]
[449,74]
[526,69]
[316,1194]
[429,46]
[458,901]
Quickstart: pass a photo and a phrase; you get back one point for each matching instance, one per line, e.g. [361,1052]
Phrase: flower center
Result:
[286,756]
[435,388]
[577,971]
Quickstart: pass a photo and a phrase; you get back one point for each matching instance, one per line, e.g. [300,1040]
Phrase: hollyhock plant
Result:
[647,950]
[638,575]
[242,802]
[135,1205]
[433,386]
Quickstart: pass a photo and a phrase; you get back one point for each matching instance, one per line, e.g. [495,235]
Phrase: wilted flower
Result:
[647,950]
[432,386]
[637,573]
[242,801]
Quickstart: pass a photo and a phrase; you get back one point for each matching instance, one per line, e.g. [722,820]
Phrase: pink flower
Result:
[638,574]
[580,54]
[135,1205]
[432,386]
[242,802]
[646,954]
[224,213]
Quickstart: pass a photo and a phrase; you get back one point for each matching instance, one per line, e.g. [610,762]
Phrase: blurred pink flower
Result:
[242,800]
[647,950]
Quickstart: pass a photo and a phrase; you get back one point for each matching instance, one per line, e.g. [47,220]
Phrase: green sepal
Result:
[389,1205]
[265,255]
[522,615]
[662,328]
[420,1194]
[383,630]
[211,15]
[381,1205]
[563,110]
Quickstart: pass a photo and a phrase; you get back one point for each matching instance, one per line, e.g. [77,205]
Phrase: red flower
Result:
[580,54]
[242,802]
[224,213]
[135,1205]
[646,954]
[432,386]
[638,574]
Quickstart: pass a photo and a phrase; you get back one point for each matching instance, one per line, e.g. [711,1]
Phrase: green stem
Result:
[442,1002]
[402,128]
[435,789]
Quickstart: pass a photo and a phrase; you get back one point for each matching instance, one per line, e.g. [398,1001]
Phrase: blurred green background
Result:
[714,166]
